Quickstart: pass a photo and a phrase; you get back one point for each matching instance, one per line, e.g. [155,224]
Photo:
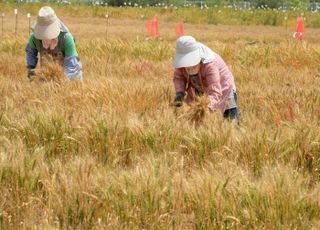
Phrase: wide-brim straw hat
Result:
[48,25]
[187,52]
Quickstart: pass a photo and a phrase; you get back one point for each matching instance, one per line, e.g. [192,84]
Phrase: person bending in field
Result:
[200,71]
[51,38]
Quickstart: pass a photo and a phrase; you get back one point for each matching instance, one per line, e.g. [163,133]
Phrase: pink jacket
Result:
[215,77]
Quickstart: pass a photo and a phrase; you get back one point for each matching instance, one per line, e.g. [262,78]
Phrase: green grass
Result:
[193,15]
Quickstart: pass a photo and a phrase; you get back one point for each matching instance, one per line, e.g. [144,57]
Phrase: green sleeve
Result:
[69,46]
[32,41]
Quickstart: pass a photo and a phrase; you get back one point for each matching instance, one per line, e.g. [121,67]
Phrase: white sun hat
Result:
[47,25]
[187,52]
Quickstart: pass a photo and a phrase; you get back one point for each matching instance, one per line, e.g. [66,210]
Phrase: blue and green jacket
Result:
[65,52]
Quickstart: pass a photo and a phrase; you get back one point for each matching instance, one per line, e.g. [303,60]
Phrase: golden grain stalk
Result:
[197,110]
[50,70]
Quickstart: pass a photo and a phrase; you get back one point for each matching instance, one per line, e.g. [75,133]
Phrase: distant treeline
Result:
[286,4]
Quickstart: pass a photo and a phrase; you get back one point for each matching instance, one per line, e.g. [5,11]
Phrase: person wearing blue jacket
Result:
[51,37]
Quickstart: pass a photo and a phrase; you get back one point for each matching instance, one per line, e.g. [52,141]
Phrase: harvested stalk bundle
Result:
[50,70]
[197,111]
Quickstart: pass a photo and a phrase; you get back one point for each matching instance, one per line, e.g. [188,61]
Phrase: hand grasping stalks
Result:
[197,111]
[50,70]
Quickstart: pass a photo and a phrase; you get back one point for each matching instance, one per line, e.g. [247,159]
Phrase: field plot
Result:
[110,152]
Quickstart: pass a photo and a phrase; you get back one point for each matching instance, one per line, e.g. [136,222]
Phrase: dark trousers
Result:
[232,114]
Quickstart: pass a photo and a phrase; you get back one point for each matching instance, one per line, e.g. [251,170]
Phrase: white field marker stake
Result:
[142,29]
[2,19]
[286,20]
[16,26]
[107,24]
[29,22]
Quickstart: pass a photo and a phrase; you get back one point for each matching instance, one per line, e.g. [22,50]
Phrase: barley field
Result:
[111,153]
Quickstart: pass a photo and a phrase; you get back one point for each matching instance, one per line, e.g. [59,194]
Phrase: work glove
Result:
[178,101]
[31,74]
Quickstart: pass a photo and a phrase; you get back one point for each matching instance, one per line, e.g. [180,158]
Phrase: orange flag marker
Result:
[156,26]
[153,28]
[299,34]
[179,30]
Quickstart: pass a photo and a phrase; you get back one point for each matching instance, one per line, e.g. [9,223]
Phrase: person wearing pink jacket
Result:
[200,71]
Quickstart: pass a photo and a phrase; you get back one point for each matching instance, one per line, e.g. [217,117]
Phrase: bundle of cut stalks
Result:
[50,70]
[197,111]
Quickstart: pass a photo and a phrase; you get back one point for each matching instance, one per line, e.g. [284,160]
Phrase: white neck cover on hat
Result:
[206,54]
